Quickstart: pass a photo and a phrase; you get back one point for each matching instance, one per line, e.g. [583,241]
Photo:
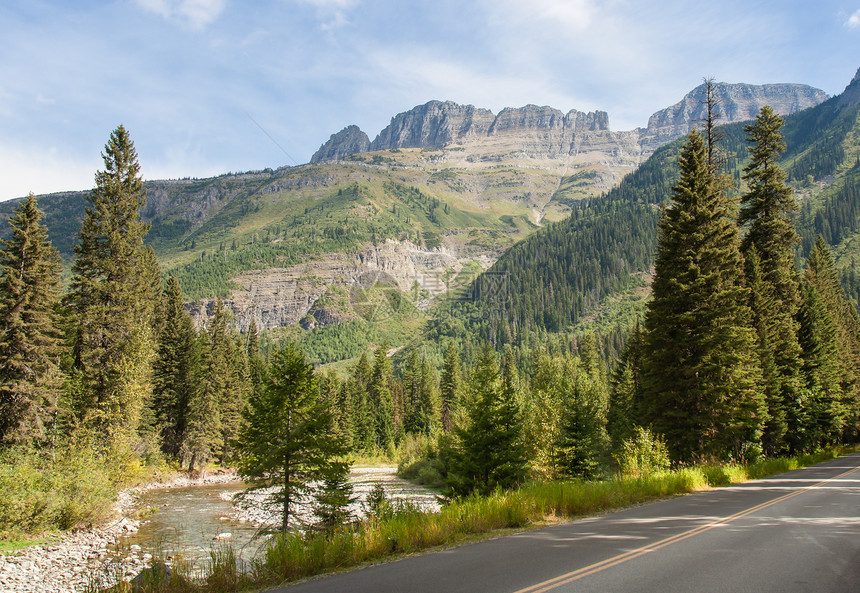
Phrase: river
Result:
[187,521]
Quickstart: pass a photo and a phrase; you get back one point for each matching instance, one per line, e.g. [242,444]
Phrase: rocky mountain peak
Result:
[543,132]
[349,140]
[851,95]
[737,102]
[433,125]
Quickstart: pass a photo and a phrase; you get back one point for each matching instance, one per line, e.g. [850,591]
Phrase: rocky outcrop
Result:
[350,140]
[433,125]
[318,292]
[737,102]
[851,96]
[544,132]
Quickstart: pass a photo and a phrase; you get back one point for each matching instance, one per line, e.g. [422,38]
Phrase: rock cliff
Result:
[851,95]
[280,297]
[433,125]
[737,102]
[349,140]
[547,133]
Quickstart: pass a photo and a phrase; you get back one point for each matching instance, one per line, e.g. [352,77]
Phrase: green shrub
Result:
[642,454]
[42,491]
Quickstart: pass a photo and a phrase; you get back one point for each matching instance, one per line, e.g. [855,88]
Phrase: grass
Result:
[291,557]
[13,544]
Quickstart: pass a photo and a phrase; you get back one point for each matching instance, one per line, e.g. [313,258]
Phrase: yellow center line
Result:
[585,571]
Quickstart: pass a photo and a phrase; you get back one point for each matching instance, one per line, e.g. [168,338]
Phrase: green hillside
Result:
[207,231]
[601,255]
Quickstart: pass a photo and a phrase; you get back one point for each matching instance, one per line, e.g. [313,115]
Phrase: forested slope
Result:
[558,275]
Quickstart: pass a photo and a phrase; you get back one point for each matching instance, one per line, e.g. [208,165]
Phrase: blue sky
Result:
[211,86]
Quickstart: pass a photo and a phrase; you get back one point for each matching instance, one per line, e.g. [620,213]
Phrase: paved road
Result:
[796,532]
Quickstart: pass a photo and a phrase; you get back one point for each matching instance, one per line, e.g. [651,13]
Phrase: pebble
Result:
[81,559]
[257,509]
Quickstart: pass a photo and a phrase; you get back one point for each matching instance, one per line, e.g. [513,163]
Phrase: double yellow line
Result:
[621,558]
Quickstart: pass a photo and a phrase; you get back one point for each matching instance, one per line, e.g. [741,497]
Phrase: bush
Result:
[427,472]
[643,454]
[42,492]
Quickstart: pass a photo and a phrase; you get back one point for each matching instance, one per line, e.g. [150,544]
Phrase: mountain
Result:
[547,133]
[455,188]
[736,102]
[596,264]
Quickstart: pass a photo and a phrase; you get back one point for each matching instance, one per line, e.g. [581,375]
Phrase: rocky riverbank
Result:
[84,556]
[363,480]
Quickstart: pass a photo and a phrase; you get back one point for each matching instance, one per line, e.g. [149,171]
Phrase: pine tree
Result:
[762,307]
[820,415]
[112,297]
[701,378]
[227,377]
[333,499]
[552,379]
[256,362]
[29,344]
[209,403]
[285,441]
[766,211]
[420,391]
[381,401]
[174,370]
[490,452]
[829,338]
[450,385]
[579,440]
[358,386]
[625,398]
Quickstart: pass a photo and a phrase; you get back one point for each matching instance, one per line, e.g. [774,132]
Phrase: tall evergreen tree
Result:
[450,385]
[581,432]
[830,338]
[490,452]
[625,397]
[256,362]
[174,370]
[420,390]
[363,414]
[820,413]
[204,439]
[552,379]
[766,210]
[701,378]
[29,344]
[381,401]
[112,297]
[227,376]
[285,441]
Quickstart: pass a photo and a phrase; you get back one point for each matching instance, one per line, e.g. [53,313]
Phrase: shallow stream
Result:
[187,520]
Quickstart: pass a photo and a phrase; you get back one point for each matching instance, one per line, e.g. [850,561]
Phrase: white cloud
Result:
[192,14]
[853,21]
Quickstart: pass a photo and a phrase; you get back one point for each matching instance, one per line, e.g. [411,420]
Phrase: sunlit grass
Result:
[290,557]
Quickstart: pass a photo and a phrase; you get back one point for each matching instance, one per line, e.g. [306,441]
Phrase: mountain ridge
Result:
[439,124]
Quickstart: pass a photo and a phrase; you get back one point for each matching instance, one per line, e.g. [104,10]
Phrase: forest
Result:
[749,349]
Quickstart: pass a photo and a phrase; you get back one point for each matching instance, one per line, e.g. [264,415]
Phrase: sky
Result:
[207,87]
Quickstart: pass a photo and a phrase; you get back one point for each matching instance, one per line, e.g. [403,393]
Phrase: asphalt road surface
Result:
[794,532]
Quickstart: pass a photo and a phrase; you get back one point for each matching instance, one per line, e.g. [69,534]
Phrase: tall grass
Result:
[294,556]
[39,491]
